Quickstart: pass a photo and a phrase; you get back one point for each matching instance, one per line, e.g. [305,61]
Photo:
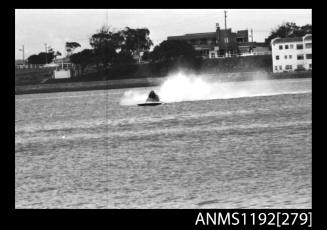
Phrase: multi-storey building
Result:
[223,42]
[289,54]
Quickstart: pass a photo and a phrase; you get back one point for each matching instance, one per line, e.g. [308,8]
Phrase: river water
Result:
[86,150]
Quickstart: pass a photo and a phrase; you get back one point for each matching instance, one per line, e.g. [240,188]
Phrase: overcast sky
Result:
[34,28]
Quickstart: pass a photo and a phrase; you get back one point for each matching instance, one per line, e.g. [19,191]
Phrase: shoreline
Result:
[145,82]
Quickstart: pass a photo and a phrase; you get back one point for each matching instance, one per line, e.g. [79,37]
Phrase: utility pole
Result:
[227,46]
[23,55]
[22,49]
[225,19]
[46,53]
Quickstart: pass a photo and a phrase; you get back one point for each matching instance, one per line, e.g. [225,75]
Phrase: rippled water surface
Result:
[85,150]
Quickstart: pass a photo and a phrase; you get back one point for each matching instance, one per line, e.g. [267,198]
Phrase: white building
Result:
[61,74]
[289,54]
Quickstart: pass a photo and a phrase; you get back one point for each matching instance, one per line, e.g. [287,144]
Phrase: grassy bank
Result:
[146,82]
[32,76]
[89,85]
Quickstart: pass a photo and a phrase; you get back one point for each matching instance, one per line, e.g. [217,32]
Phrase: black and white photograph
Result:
[163,109]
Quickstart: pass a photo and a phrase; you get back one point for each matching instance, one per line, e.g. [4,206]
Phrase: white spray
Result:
[191,87]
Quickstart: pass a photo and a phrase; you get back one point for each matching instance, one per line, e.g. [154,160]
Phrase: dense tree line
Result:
[289,29]
[112,50]
[173,54]
[115,52]
[43,57]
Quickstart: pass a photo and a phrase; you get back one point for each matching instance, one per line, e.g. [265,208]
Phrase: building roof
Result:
[284,40]
[308,37]
[193,36]
[224,32]
[294,39]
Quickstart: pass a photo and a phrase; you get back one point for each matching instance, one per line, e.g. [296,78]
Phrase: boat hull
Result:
[150,104]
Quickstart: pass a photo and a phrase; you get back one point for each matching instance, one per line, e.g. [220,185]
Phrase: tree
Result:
[171,50]
[105,44]
[71,46]
[173,54]
[124,64]
[53,54]
[146,56]
[124,57]
[106,38]
[136,40]
[113,49]
[289,29]
[82,60]
[306,29]
[41,58]
[34,59]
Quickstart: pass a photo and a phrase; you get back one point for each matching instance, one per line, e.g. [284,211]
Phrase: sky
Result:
[54,27]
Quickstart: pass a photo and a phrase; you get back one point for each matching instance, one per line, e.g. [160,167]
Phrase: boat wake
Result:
[187,87]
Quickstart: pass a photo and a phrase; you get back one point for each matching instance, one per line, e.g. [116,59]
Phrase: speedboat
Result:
[152,100]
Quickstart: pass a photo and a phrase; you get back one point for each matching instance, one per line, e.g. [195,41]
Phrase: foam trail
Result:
[133,97]
[190,87]
[181,87]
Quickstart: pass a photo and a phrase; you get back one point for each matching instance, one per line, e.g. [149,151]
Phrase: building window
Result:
[286,47]
[280,67]
[308,45]
[291,46]
[310,66]
[289,56]
[213,55]
[205,52]
[226,40]
[300,67]
[285,56]
[280,47]
[299,46]
[300,57]
[288,67]
[277,57]
[276,67]
[308,56]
